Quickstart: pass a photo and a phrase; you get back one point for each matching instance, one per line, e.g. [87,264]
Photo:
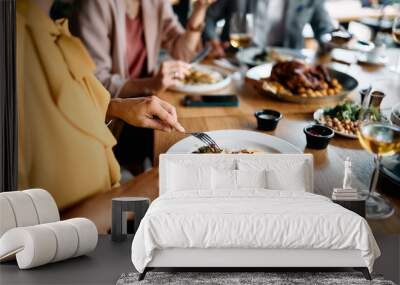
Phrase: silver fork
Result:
[207,140]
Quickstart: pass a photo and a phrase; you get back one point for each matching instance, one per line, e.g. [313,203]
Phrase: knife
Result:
[201,55]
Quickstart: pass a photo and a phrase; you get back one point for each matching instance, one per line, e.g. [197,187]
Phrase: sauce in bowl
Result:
[267,120]
[318,136]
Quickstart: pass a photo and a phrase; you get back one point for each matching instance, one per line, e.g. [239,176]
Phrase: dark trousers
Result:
[133,147]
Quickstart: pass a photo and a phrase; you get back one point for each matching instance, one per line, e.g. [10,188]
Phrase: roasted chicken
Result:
[297,78]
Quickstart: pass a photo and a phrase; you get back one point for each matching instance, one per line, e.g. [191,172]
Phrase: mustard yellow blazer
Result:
[64,144]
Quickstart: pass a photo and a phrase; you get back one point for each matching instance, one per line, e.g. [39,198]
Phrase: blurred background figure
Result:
[124,38]
[368,3]
[277,22]
[182,9]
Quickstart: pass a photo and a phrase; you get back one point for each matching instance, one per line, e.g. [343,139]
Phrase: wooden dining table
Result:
[328,163]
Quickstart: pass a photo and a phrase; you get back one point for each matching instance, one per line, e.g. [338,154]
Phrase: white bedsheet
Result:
[250,219]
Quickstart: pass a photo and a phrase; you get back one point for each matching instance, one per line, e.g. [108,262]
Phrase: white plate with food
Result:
[236,141]
[203,79]
[255,56]
[299,82]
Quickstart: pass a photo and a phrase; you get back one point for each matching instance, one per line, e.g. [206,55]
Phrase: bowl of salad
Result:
[344,118]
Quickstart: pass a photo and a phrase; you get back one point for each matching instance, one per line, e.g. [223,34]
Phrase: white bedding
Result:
[250,219]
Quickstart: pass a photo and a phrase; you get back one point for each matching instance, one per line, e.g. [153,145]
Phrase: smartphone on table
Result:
[211,101]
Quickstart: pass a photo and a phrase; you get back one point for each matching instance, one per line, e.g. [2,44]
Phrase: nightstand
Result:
[120,208]
[356,206]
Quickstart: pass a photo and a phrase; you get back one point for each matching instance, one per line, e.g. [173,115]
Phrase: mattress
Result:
[251,219]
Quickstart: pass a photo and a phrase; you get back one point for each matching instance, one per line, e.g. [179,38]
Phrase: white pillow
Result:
[184,178]
[251,179]
[282,173]
[224,179]
[293,180]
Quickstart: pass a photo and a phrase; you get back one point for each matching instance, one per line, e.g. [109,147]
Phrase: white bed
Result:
[247,211]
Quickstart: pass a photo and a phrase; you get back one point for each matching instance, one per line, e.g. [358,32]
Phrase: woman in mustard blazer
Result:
[65,146]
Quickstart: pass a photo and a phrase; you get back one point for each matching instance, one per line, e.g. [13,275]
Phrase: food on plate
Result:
[344,118]
[199,77]
[295,78]
[269,55]
[213,149]
[208,149]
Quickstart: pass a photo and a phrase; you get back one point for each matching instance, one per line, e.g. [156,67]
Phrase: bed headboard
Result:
[280,163]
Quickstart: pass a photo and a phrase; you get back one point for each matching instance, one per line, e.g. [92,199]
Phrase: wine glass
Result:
[396,38]
[380,138]
[241,32]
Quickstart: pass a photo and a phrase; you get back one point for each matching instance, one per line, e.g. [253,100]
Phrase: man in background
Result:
[277,22]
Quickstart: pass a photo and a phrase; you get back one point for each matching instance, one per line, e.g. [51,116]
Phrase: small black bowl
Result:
[267,120]
[318,136]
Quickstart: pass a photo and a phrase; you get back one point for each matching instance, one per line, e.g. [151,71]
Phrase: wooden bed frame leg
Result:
[142,275]
[365,272]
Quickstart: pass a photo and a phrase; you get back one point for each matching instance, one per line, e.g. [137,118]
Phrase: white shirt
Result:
[269,27]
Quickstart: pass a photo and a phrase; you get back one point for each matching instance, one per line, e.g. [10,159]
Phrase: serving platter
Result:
[247,55]
[223,80]
[317,117]
[348,83]
[236,140]
[355,45]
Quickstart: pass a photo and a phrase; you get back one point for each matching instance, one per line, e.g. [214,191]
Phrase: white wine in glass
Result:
[396,38]
[241,34]
[240,40]
[241,30]
[380,139]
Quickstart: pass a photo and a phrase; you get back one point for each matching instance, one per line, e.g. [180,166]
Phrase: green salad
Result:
[351,111]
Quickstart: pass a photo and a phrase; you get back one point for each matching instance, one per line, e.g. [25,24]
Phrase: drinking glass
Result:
[380,138]
[241,32]
[396,38]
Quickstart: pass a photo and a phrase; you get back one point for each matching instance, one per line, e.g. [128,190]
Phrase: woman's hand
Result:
[146,112]
[170,74]
[199,12]
[203,4]
[217,48]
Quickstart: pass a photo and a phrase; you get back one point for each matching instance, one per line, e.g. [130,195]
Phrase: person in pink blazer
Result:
[124,37]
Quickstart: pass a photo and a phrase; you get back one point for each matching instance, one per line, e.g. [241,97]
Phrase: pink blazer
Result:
[101,26]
